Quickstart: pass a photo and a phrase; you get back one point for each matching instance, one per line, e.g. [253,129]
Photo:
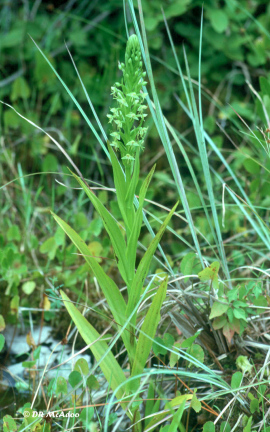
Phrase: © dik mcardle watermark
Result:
[54,414]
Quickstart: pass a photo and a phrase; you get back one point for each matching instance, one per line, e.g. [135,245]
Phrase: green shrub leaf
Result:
[218,309]
[210,273]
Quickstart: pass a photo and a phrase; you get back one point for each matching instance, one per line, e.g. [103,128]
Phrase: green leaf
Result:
[261,390]
[149,406]
[36,353]
[2,342]
[189,341]
[168,340]
[28,364]
[2,323]
[112,229]
[230,315]
[176,420]
[109,366]
[59,237]
[13,233]
[210,273]
[218,309]
[197,352]
[190,264]
[113,418]
[28,287]
[236,380]
[243,364]
[262,302]
[129,198]
[144,265]
[254,406]
[110,290]
[120,185]
[228,331]
[225,427]
[61,386]
[20,89]
[13,37]
[81,366]
[220,322]
[49,247]
[240,314]
[92,383]
[158,348]
[9,424]
[174,357]
[87,415]
[209,427]
[233,294]
[195,403]
[43,72]
[251,166]
[219,20]
[131,251]
[74,378]
[239,304]
[264,85]
[80,221]
[95,227]
[148,332]
[30,421]
[177,401]
[247,428]
[50,163]
[14,305]
[46,427]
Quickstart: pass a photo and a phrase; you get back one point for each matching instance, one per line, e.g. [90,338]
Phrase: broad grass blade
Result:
[110,290]
[137,224]
[109,366]
[144,265]
[112,229]
[147,333]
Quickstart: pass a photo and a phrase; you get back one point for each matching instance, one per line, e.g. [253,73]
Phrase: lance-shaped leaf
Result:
[178,401]
[176,421]
[110,290]
[147,333]
[144,265]
[129,198]
[109,365]
[120,186]
[112,229]
[136,229]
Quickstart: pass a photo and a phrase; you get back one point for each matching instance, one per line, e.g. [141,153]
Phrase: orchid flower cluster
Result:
[129,114]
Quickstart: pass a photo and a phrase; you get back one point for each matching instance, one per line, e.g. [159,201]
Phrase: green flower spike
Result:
[128,116]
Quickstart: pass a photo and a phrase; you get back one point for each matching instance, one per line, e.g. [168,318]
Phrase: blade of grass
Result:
[160,124]
[110,290]
[74,100]
[144,265]
[109,365]
[148,332]
[113,230]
